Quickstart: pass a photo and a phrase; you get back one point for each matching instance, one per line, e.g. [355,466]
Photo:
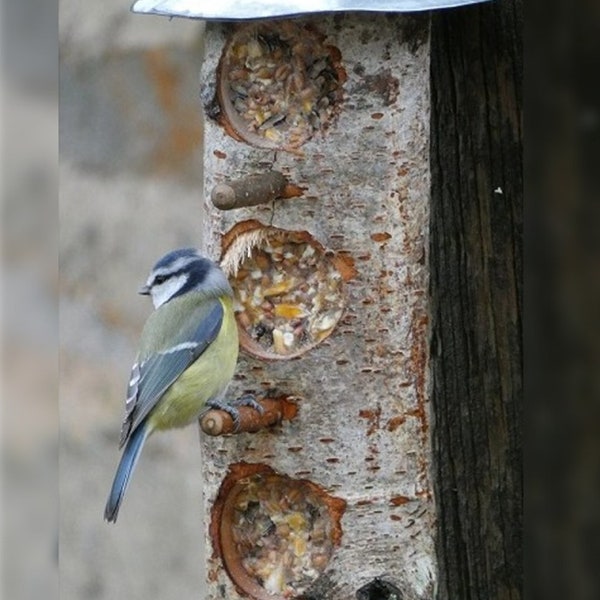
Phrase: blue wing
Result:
[156,370]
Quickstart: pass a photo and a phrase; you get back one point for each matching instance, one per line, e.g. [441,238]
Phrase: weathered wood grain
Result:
[476,299]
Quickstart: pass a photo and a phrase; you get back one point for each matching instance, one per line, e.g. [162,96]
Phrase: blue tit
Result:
[187,356]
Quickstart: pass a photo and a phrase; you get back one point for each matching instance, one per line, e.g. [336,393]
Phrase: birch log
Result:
[362,431]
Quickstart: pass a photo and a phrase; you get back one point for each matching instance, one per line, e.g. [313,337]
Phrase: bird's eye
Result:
[160,279]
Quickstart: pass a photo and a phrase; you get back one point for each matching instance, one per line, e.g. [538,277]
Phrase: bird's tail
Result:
[126,466]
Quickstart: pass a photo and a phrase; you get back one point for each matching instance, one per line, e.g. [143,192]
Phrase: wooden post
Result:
[476,295]
[361,436]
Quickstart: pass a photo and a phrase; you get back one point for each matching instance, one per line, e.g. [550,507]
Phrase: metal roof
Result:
[255,9]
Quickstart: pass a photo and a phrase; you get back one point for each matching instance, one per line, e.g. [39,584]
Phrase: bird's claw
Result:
[249,400]
[231,407]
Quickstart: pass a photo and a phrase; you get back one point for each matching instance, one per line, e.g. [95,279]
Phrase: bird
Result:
[187,357]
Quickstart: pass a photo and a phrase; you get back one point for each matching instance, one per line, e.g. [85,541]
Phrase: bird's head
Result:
[182,271]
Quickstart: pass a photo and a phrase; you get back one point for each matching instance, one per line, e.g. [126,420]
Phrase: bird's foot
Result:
[231,407]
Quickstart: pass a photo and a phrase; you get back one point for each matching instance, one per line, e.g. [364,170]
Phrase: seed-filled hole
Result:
[277,534]
[279,84]
[288,291]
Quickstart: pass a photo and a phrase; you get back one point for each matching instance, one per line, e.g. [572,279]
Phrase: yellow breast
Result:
[206,379]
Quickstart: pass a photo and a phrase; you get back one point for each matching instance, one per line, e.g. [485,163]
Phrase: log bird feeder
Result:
[316,171]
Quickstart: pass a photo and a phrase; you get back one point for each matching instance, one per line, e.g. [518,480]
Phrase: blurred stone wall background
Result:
[28,280]
[130,189]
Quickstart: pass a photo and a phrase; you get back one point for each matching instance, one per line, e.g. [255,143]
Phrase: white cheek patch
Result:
[164,291]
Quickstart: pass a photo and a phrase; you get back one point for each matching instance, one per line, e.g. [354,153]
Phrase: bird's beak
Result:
[144,290]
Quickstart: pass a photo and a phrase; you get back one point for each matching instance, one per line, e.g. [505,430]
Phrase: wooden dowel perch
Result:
[281,408]
[258,188]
